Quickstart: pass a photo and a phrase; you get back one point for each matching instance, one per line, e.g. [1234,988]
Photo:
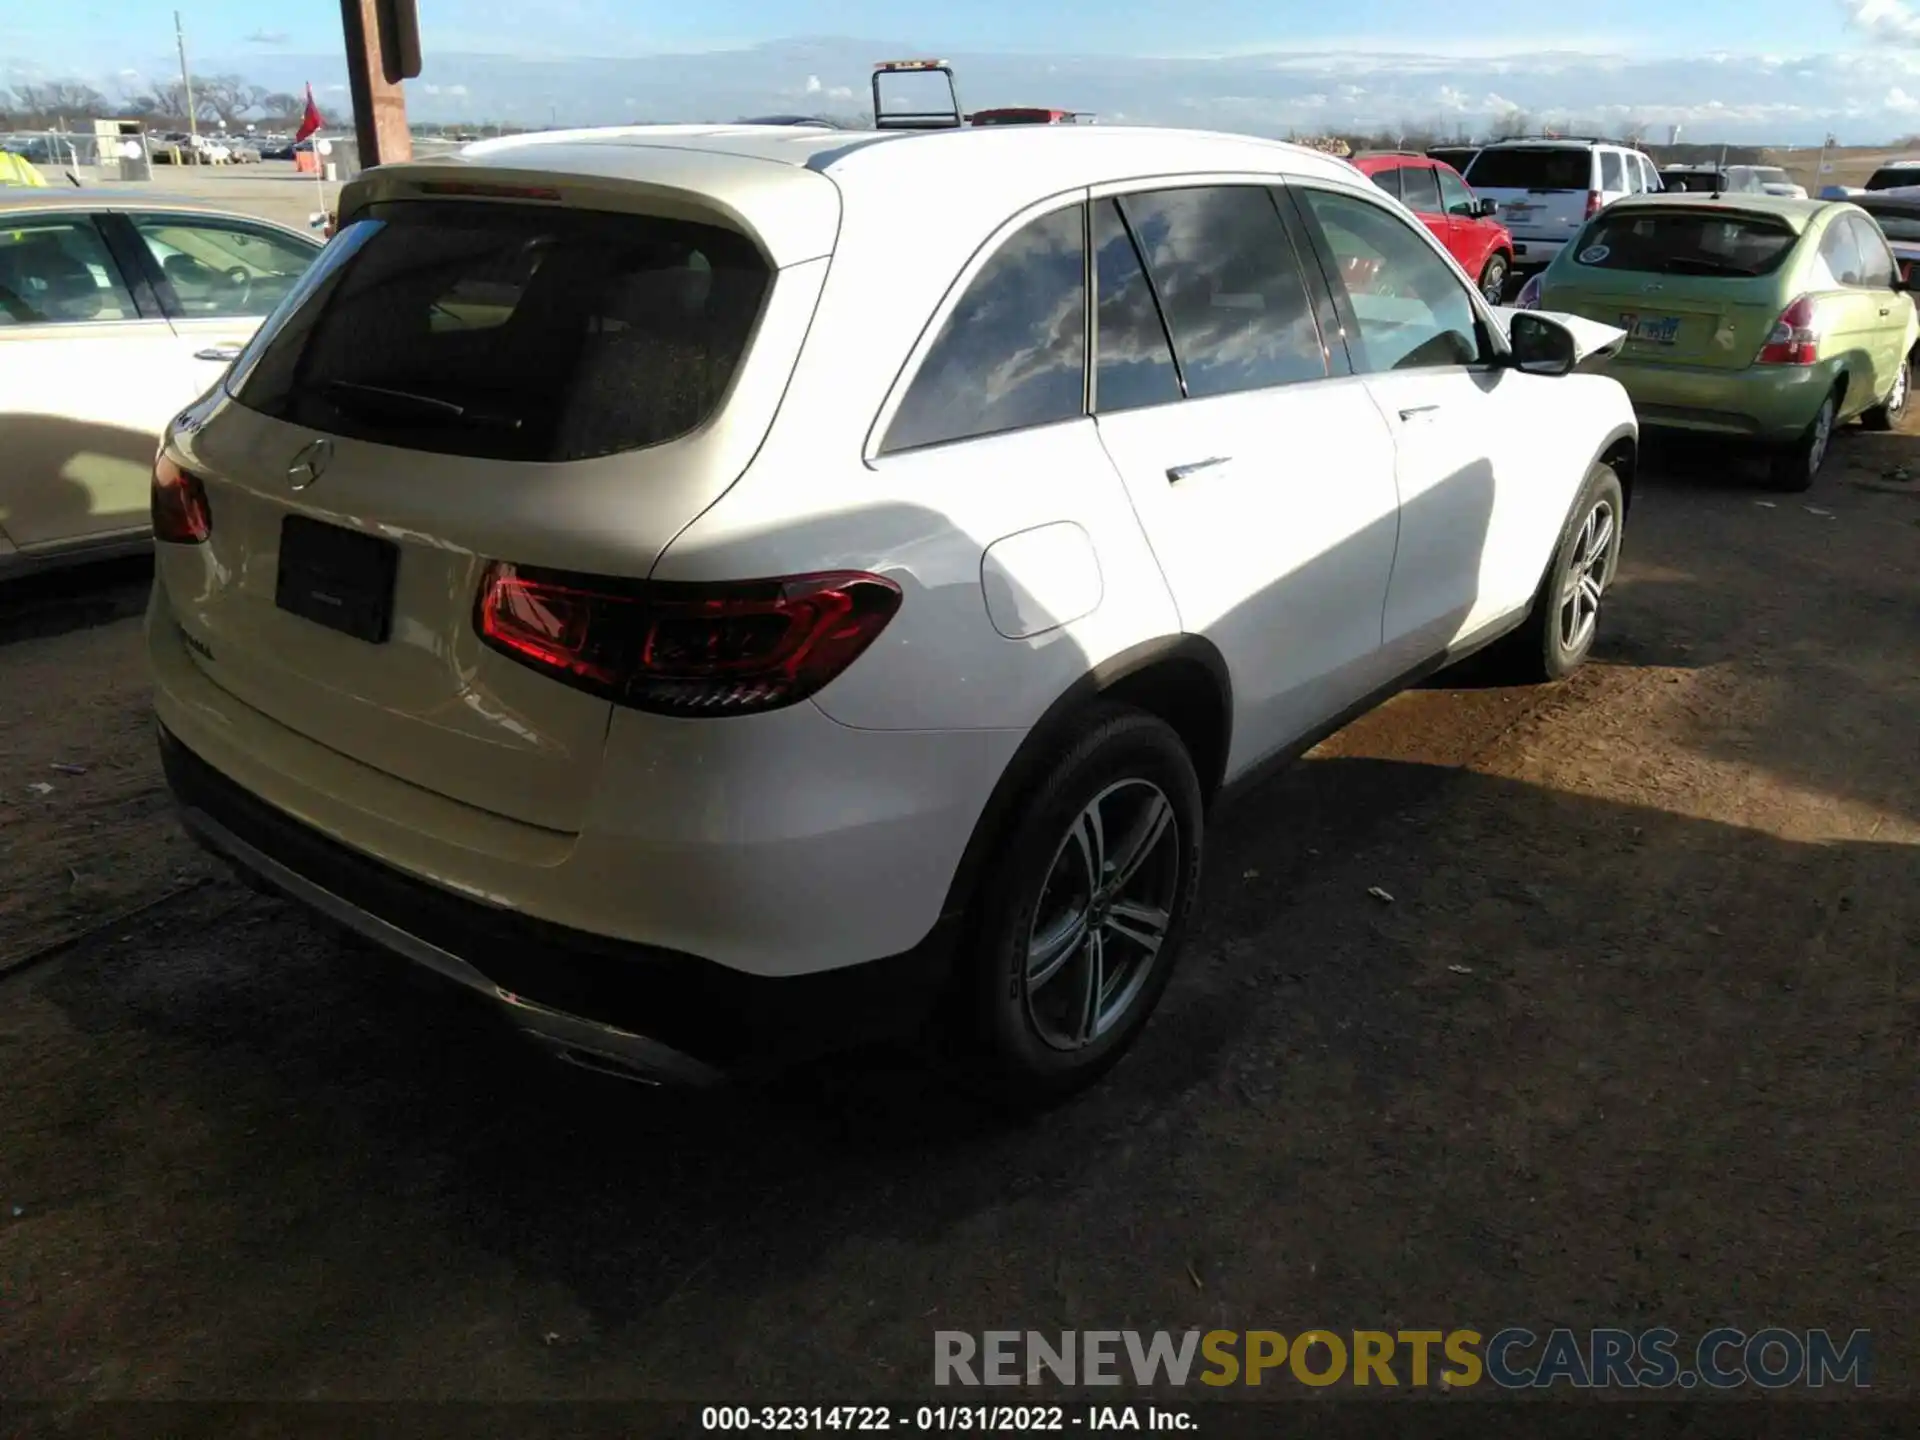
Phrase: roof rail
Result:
[1577,139]
[1377,154]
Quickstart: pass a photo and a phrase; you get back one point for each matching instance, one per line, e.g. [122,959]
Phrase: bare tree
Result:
[58,100]
[1512,123]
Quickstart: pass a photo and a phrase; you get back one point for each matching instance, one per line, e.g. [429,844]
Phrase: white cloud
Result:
[1888,20]
[813,86]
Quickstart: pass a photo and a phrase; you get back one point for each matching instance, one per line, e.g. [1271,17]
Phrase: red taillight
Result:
[179,504]
[1793,340]
[684,649]
[1593,203]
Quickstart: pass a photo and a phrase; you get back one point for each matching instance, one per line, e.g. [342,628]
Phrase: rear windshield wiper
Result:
[352,394]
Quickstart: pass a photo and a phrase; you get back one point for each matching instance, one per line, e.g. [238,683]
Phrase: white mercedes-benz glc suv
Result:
[728,592]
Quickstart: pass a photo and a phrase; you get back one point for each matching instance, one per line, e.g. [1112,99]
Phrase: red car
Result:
[1459,219]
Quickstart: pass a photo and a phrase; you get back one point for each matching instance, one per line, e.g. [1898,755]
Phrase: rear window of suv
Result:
[1531,167]
[517,333]
[1680,242]
[1893,177]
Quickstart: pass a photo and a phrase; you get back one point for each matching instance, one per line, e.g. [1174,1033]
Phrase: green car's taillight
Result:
[1793,340]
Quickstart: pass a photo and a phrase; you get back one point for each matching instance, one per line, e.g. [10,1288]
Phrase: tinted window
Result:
[1898,220]
[58,272]
[1231,287]
[1013,352]
[1531,167]
[1876,261]
[1411,308]
[1133,362]
[1841,254]
[1419,189]
[223,268]
[1388,180]
[1890,177]
[1685,242]
[512,332]
[1454,196]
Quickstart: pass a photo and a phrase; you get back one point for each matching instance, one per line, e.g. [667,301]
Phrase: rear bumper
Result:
[1531,254]
[638,1011]
[1762,402]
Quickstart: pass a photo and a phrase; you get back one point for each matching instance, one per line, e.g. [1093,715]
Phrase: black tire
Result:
[1493,279]
[1796,464]
[1545,647]
[1886,415]
[1009,1048]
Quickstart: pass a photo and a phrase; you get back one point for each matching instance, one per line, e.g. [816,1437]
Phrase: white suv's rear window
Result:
[1532,167]
[515,332]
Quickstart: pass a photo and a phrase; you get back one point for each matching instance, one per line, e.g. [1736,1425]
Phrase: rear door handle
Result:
[1414,412]
[218,352]
[1178,473]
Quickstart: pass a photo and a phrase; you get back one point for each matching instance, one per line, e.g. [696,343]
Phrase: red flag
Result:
[309,122]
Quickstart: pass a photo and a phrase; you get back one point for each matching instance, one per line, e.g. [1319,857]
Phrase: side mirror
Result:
[1485,209]
[1542,346]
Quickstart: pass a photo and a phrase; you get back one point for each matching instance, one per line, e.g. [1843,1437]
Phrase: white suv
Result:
[723,592]
[1548,189]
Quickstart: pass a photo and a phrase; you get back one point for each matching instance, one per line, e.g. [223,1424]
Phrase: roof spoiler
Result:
[949,119]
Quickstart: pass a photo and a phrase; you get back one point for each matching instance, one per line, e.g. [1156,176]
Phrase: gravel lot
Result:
[1632,1043]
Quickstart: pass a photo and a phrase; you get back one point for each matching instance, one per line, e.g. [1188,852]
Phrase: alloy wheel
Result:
[1493,281]
[1821,437]
[1586,578]
[1103,914]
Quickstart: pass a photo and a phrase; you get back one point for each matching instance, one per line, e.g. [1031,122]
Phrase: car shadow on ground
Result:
[73,597]
[1567,1070]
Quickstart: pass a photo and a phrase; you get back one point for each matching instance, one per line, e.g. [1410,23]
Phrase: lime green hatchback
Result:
[1746,315]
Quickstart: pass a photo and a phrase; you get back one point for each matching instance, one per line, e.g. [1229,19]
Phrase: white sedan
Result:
[115,313]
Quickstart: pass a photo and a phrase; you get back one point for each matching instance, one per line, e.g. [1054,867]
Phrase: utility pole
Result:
[373,79]
[186,82]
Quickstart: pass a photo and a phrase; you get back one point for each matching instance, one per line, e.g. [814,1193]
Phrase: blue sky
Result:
[1737,70]
[57,35]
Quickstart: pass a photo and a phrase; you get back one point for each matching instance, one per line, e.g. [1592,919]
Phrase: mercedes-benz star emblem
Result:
[310,464]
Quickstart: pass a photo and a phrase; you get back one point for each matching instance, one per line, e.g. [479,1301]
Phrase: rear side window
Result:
[1388,180]
[1840,253]
[1531,168]
[1231,287]
[1013,352]
[1685,242]
[515,333]
[1420,190]
[1876,261]
[58,272]
[1612,177]
[1133,362]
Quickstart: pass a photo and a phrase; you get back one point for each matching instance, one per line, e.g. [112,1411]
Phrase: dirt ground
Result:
[1633,1043]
